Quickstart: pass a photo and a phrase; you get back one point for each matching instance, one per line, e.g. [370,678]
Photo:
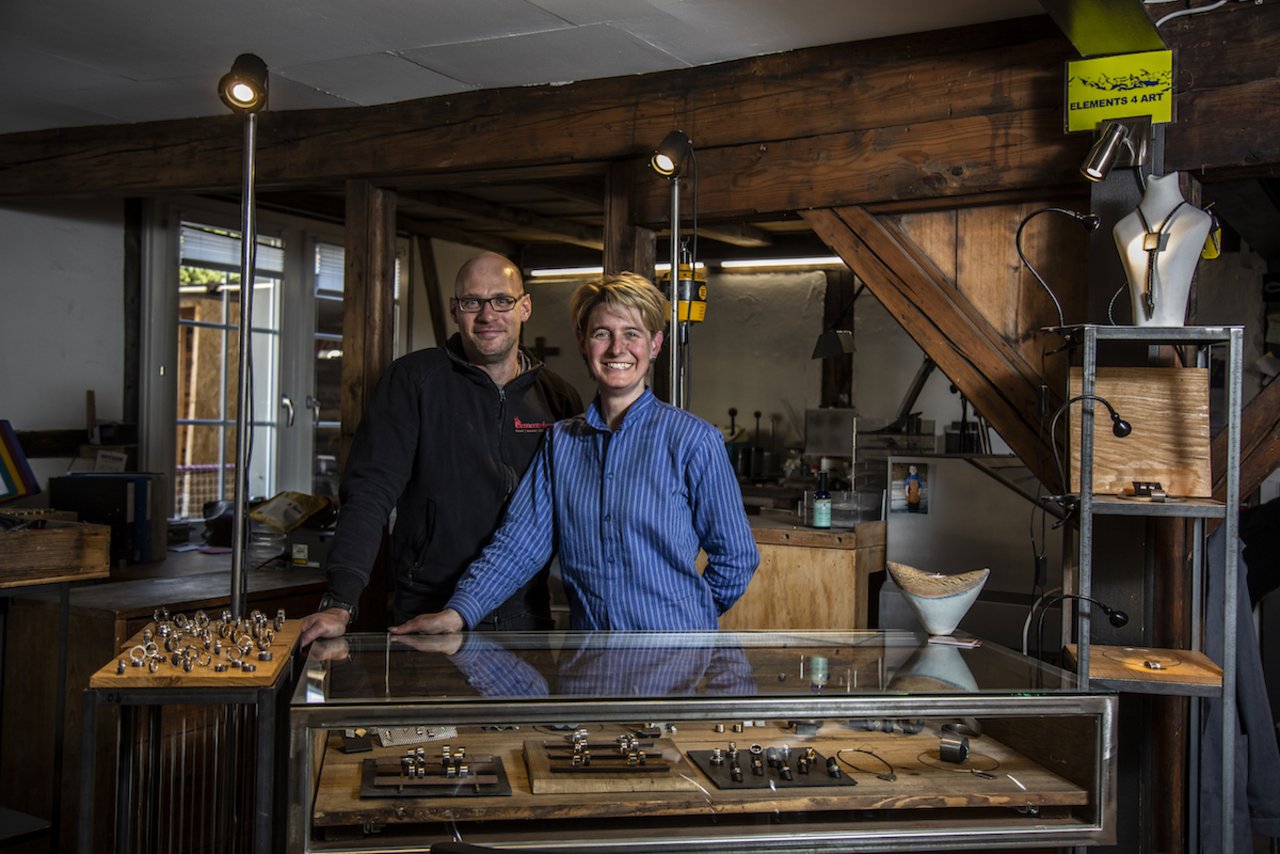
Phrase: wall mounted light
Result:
[244,90]
[1121,142]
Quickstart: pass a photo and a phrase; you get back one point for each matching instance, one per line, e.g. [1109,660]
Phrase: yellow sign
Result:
[1120,87]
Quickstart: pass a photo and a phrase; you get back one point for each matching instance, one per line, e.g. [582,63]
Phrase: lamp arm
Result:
[1089,221]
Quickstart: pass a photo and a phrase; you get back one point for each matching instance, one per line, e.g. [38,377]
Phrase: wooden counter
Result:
[103,617]
[808,578]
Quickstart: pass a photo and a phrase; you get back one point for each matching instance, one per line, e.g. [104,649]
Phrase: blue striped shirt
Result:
[628,510]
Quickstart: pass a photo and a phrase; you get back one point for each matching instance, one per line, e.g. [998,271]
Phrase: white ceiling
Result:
[85,62]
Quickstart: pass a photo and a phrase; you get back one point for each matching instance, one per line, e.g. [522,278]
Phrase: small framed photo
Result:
[909,488]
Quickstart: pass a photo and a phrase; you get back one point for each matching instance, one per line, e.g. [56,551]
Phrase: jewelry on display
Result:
[888,775]
[953,748]
[191,642]
[1153,243]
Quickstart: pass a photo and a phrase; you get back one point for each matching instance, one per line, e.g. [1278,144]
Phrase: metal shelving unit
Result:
[1199,510]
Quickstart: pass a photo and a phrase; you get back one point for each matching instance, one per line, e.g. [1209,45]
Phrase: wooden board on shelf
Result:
[169,676]
[1169,411]
[1129,664]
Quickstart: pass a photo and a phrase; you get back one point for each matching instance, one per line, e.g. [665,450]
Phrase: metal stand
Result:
[1197,510]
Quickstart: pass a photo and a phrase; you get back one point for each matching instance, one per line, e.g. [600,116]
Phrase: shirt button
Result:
[608,518]
[609,476]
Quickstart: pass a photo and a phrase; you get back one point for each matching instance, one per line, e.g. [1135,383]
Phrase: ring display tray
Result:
[771,775]
[385,778]
[552,769]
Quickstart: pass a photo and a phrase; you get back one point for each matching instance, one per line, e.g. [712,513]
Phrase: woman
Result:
[628,493]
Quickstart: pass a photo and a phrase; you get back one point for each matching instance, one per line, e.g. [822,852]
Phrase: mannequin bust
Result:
[1159,245]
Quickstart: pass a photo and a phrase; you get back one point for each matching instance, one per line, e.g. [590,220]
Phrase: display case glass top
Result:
[569,666]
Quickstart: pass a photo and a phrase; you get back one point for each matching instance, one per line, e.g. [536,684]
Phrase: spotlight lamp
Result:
[1119,619]
[1124,142]
[244,87]
[669,158]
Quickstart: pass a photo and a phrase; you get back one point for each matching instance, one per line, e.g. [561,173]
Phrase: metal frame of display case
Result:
[315,716]
[1198,510]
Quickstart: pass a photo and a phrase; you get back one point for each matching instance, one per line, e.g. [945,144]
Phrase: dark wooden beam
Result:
[837,313]
[888,85]
[736,234]
[1259,444]
[627,246]
[425,255]
[960,156]
[984,367]
[1228,92]
[554,229]
[51,443]
[368,300]
[478,239]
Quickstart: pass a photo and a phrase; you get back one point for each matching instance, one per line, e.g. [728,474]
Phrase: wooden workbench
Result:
[808,578]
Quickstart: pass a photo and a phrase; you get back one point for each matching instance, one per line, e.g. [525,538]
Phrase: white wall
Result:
[61,316]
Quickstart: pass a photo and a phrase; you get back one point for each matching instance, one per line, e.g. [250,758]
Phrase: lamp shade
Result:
[833,342]
[1103,154]
[669,158]
[244,87]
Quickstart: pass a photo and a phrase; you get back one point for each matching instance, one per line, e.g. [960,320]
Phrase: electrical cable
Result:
[1089,221]
[1119,427]
[1111,304]
[1118,618]
[1026,624]
[1193,11]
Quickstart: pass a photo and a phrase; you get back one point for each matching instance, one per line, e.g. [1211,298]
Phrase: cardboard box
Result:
[59,551]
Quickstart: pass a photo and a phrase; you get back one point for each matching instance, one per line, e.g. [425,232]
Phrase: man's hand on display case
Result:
[440,623]
[330,623]
[447,644]
[331,649]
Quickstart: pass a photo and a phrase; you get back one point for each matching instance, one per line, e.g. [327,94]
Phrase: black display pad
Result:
[772,776]
[383,778]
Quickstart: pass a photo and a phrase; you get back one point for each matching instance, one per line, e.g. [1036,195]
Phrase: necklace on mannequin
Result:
[1154,242]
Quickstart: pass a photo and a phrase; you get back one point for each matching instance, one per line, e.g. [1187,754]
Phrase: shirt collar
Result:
[635,411]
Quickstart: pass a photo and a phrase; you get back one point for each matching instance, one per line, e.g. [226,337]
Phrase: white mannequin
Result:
[1176,232]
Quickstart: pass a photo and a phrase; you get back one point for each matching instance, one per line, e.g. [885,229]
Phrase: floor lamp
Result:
[244,90]
[669,160]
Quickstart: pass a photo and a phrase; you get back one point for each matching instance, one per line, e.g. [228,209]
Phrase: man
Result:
[447,436]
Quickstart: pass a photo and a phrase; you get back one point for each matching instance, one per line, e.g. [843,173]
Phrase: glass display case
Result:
[796,741]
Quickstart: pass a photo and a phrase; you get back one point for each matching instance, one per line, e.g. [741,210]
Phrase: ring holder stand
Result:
[772,775]
[387,778]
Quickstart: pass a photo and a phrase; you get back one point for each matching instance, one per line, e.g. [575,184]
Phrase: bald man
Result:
[444,441]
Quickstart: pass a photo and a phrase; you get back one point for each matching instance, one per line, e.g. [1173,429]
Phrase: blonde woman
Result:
[628,493]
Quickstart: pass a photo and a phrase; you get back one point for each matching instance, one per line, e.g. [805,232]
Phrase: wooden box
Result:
[1169,411]
[59,551]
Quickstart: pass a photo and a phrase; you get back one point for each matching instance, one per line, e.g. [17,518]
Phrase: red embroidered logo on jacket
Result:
[531,426]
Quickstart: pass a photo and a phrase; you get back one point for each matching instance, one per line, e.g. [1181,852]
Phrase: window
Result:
[209,293]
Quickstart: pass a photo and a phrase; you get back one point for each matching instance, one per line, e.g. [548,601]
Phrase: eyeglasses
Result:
[471,305]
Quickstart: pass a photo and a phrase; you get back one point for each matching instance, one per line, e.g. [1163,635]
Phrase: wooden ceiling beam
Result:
[1259,444]
[453,234]
[891,82]
[556,229]
[736,234]
[985,368]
